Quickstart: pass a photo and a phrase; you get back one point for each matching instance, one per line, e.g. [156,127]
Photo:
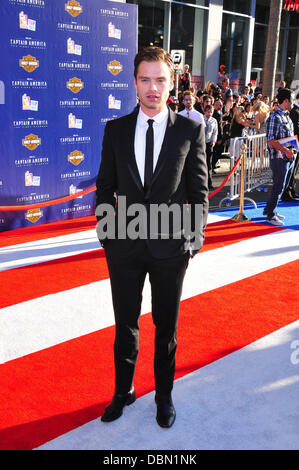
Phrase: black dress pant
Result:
[291,188]
[217,152]
[127,278]
[209,155]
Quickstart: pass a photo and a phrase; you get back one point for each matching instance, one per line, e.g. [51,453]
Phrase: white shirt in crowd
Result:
[193,114]
[211,129]
[159,126]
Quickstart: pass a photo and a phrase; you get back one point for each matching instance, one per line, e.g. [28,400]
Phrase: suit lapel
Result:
[130,151]
[165,145]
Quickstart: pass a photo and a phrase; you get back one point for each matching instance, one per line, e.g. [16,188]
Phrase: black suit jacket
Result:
[294,115]
[180,177]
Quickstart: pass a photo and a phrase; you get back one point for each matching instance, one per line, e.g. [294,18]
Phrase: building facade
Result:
[210,33]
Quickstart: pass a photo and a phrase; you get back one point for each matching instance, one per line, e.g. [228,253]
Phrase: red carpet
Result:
[29,282]
[40,232]
[57,389]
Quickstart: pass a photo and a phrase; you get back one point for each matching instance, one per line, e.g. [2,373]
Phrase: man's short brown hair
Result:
[188,92]
[153,54]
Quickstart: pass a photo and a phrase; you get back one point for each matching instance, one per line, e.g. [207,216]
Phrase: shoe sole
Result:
[166,426]
[113,418]
[276,225]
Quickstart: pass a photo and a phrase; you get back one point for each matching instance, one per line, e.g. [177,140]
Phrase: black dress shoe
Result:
[165,410]
[115,409]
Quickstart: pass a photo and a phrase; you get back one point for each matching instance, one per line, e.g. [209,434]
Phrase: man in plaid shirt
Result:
[279,126]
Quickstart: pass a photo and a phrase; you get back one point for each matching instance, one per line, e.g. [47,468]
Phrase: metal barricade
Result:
[257,170]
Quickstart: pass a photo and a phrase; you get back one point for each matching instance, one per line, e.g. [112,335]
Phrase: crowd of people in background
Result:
[226,114]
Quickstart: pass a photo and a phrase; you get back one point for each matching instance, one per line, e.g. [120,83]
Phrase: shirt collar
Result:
[281,111]
[158,118]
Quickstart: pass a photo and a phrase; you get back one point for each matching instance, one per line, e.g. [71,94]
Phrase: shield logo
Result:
[73,8]
[31,141]
[29,63]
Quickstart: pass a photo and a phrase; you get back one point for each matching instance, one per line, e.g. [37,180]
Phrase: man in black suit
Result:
[150,158]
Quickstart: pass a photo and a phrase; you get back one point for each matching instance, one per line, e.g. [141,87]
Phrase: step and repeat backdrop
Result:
[66,69]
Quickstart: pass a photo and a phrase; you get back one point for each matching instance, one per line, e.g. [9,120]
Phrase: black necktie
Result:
[149,155]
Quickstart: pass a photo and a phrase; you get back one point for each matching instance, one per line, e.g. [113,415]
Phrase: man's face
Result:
[218,105]
[208,113]
[153,84]
[188,102]
[206,102]
[288,104]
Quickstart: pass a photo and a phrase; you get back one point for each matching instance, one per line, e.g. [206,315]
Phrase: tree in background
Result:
[272,44]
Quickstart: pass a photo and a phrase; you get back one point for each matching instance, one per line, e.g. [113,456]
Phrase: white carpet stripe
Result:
[52,319]
[246,400]
[39,251]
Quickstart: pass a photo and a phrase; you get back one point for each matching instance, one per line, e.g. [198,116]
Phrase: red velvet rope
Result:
[48,203]
[226,179]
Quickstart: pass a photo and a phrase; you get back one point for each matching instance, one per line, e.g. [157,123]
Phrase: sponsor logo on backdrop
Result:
[104,120]
[73,8]
[73,122]
[29,63]
[31,160]
[31,180]
[74,66]
[33,215]
[113,32]
[28,43]
[31,141]
[114,50]
[74,190]
[73,48]
[113,103]
[75,157]
[31,122]
[75,174]
[75,139]
[119,86]
[75,103]
[33,198]
[71,210]
[75,85]
[32,3]
[79,28]
[115,13]
[114,67]
[28,104]
[29,83]
[26,23]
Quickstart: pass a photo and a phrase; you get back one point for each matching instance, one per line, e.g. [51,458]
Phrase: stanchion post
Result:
[240,217]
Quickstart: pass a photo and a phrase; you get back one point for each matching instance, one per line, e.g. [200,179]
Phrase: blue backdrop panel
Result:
[66,69]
